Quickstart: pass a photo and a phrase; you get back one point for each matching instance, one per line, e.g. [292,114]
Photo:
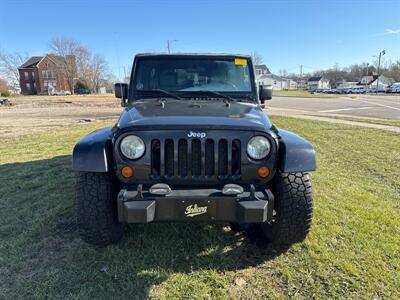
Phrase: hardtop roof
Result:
[186,54]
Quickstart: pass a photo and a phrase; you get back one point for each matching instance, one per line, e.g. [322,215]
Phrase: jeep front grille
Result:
[195,158]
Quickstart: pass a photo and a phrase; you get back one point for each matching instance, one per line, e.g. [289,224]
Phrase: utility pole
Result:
[301,75]
[379,66]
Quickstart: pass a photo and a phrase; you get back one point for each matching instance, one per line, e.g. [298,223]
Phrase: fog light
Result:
[127,172]
[160,189]
[263,172]
[232,189]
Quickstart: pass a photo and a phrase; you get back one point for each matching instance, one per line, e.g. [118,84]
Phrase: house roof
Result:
[262,67]
[34,60]
[31,62]
[59,60]
[315,78]
[367,79]
[382,79]
[272,76]
[175,54]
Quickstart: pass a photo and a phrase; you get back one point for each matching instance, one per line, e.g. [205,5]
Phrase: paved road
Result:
[370,106]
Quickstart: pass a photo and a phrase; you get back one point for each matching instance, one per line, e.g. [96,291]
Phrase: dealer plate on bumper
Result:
[196,209]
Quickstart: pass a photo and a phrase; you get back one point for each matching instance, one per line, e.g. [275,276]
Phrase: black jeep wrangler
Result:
[193,144]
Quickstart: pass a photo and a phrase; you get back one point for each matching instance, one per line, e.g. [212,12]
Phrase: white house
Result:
[277,82]
[261,70]
[370,82]
[318,82]
[347,84]
[292,84]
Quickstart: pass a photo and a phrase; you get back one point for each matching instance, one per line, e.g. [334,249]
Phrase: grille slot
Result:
[236,157]
[155,157]
[196,158]
[169,157]
[209,158]
[223,158]
[182,158]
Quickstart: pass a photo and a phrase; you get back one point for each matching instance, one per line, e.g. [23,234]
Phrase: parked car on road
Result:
[395,88]
[82,91]
[61,93]
[357,90]
[380,90]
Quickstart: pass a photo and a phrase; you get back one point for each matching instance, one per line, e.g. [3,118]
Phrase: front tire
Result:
[293,208]
[96,210]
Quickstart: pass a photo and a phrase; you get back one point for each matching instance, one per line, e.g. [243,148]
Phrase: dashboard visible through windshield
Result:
[186,75]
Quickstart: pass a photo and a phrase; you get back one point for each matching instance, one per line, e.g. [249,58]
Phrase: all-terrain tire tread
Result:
[96,209]
[294,208]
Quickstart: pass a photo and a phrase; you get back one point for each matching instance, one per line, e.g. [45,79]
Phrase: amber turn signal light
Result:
[263,172]
[127,172]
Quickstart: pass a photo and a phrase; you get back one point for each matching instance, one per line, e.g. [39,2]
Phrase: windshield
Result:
[185,75]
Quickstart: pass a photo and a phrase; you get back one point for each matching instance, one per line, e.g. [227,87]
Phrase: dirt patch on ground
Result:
[42,113]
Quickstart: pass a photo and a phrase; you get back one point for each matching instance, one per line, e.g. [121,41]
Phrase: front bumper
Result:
[139,206]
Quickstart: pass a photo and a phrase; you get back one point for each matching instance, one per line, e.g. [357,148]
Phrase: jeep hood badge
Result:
[197,134]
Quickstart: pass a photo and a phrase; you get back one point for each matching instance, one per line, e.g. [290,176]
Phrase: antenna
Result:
[169,42]
[119,66]
[117,54]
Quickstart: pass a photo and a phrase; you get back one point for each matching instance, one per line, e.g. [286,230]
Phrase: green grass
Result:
[299,93]
[353,250]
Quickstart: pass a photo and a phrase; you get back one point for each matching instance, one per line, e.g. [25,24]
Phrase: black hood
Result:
[190,113]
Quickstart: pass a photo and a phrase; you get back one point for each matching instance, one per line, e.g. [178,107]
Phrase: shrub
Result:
[4,93]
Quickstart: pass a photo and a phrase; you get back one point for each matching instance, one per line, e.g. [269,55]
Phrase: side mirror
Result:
[265,93]
[121,92]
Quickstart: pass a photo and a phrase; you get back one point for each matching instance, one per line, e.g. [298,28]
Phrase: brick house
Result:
[47,74]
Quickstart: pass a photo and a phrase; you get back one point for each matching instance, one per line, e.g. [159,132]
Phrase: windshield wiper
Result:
[217,94]
[172,95]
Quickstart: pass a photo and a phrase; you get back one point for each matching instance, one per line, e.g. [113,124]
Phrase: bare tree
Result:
[9,64]
[70,51]
[283,73]
[97,72]
[256,58]
[91,69]
[83,62]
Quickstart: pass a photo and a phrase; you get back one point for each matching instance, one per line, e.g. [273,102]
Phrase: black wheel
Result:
[293,209]
[96,209]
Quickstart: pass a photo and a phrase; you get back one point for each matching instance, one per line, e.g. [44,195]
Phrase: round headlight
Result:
[132,147]
[258,147]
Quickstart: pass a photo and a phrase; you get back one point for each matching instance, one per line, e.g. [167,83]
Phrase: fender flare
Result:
[296,154]
[93,153]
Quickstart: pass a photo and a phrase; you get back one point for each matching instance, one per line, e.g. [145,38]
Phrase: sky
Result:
[315,34]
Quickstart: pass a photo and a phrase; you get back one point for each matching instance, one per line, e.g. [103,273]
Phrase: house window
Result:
[34,85]
[28,86]
[47,73]
[50,83]
[33,75]
[26,75]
